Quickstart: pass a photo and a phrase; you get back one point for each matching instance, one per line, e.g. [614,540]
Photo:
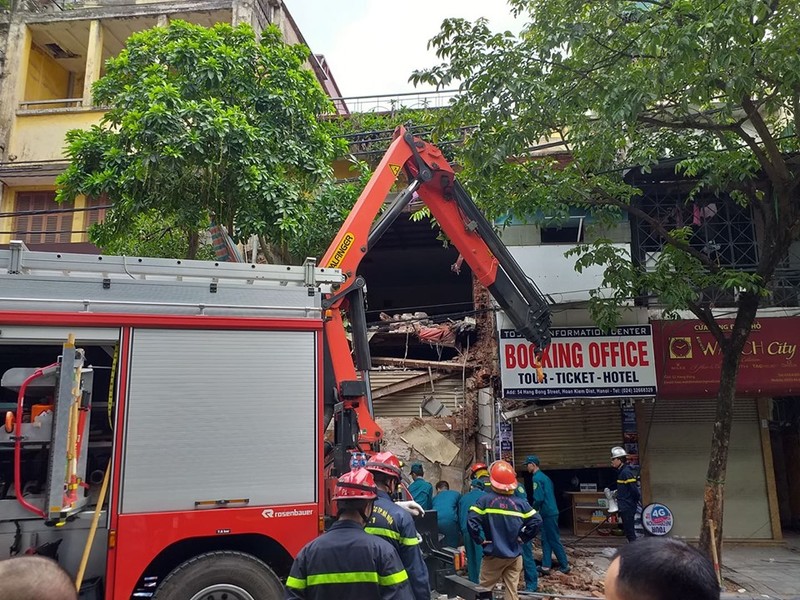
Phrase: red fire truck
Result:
[164,419]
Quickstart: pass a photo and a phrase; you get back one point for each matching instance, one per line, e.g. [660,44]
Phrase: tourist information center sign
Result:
[581,362]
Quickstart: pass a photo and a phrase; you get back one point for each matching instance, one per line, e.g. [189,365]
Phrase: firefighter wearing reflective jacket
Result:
[395,524]
[627,491]
[502,523]
[346,563]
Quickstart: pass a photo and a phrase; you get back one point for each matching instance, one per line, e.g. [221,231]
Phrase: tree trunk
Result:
[720,439]
[194,245]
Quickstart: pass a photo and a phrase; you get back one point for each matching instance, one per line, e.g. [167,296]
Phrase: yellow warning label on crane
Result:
[341,250]
[395,169]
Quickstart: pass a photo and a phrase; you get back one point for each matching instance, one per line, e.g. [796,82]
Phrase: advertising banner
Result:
[581,362]
[689,360]
[504,442]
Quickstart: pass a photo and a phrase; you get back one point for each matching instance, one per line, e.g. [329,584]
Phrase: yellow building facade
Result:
[53,53]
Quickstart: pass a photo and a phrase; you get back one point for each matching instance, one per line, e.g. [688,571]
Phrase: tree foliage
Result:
[712,86]
[205,123]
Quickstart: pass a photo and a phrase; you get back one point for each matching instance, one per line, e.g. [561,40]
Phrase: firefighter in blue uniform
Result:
[501,523]
[481,472]
[627,491]
[346,563]
[528,562]
[421,490]
[473,551]
[544,501]
[395,524]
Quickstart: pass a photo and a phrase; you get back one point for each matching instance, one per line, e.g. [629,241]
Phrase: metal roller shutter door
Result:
[678,435]
[246,419]
[569,437]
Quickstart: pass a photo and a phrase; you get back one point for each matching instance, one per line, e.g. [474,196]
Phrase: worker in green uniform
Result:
[474,551]
[421,490]
[544,501]
[445,503]
[528,562]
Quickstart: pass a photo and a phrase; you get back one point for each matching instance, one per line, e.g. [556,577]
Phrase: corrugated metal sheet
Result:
[449,391]
[679,441]
[692,411]
[569,437]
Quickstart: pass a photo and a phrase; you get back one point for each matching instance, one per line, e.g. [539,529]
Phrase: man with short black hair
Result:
[445,503]
[660,569]
[421,490]
[35,578]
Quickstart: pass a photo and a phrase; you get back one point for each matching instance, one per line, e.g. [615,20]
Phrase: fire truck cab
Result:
[193,388]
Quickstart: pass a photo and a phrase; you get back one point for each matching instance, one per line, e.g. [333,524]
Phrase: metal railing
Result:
[387,103]
[54,103]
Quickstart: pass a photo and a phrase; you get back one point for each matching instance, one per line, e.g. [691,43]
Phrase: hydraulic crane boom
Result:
[432,178]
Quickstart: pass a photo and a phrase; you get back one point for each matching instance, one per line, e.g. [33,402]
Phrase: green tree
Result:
[713,85]
[204,123]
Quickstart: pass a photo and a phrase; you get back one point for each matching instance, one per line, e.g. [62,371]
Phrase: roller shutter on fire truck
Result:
[220,414]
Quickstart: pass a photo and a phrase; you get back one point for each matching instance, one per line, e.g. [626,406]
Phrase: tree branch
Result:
[686,124]
[773,152]
[707,318]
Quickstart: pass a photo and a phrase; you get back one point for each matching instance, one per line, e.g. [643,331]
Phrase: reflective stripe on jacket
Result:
[396,526]
[346,563]
[627,488]
[502,521]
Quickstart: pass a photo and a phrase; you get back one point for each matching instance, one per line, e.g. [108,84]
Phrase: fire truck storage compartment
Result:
[30,347]
[217,415]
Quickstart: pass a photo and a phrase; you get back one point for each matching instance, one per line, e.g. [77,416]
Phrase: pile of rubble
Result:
[425,329]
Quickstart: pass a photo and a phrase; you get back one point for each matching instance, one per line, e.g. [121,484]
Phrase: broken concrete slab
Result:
[430,443]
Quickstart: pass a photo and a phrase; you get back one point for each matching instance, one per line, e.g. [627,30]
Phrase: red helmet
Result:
[502,476]
[477,468]
[356,485]
[385,462]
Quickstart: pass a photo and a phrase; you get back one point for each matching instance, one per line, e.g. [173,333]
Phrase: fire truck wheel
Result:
[224,575]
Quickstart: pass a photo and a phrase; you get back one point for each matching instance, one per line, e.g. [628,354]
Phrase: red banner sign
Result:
[689,359]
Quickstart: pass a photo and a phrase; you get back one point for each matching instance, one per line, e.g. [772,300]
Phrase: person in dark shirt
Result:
[627,491]
[501,523]
[421,490]
[347,563]
[445,503]
[473,551]
[661,569]
[394,524]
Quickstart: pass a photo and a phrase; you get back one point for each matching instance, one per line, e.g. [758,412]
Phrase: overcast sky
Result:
[372,46]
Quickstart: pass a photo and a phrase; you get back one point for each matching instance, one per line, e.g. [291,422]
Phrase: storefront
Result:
[675,452]
[583,406]
[573,419]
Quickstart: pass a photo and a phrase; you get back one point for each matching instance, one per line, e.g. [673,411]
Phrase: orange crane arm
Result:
[432,180]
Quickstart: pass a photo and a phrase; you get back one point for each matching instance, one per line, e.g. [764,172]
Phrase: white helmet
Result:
[618,452]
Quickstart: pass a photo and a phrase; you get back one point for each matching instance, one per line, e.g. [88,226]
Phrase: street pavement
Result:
[750,571]
[764,571]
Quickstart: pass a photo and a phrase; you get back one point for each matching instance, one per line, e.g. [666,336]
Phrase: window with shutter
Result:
[36,221]
[95,214]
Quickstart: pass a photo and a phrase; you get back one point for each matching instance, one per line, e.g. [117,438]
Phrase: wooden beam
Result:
[412,363]
[769,468]
[407,384]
